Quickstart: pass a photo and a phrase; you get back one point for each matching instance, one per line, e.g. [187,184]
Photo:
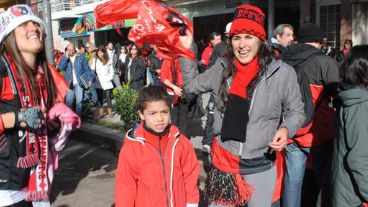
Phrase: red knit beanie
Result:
[248,19]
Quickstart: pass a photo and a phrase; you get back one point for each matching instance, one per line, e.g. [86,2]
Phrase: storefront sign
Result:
[83,26]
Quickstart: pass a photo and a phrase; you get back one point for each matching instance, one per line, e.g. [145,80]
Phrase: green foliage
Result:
[111,125]
[126,105]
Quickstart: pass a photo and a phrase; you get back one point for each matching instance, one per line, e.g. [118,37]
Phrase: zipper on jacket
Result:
[163,168]
[253,95]
[255,89]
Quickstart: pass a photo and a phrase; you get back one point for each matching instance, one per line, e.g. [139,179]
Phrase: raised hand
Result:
[31,118]
[69,120]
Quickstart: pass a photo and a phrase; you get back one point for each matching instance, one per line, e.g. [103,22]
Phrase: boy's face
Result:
[156,115]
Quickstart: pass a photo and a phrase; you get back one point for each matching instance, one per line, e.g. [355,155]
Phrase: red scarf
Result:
[37,150]
[243,76]
[345,51]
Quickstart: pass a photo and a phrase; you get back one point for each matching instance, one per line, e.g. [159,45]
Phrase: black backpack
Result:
[309,107]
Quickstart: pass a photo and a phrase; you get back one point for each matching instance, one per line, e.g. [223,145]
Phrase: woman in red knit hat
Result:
[258,107]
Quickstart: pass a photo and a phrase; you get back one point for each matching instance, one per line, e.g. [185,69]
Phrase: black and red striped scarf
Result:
[37,155]
[236,115]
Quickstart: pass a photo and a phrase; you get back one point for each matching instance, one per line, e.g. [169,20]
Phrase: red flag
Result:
[115,11]
[156,24]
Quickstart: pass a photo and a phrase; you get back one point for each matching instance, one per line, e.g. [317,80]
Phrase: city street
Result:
[86,174]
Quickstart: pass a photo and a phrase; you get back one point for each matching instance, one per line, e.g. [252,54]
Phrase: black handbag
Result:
[85,80]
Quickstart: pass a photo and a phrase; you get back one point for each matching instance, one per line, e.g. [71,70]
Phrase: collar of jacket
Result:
[137,134]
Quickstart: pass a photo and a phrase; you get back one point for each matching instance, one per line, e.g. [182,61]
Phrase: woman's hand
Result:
[279,141]
[64,114]
[69,121]
[178,91]
[31,118]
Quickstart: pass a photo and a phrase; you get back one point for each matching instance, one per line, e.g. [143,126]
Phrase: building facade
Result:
[339,19]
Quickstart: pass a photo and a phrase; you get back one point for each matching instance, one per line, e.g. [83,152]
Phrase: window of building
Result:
[329,21]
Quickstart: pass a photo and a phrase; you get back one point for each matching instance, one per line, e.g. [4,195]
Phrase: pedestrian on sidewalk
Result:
[318,78]
[135,67]
[157,165]
[102,65]
[258,107]
[75,67]
[31,98]
[349,173]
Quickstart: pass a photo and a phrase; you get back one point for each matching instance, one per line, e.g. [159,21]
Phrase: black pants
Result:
[208,135]
[101,94]
[179,115]
[23,203]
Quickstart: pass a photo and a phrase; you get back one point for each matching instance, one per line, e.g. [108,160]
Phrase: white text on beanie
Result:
[15,16]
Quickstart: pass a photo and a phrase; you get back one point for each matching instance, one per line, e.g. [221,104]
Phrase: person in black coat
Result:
[342,54]
[135,68]
[154,65]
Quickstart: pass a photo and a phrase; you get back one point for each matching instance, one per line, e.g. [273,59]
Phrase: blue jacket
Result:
[80,66]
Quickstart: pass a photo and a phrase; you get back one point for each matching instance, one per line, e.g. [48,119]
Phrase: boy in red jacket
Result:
[157,165]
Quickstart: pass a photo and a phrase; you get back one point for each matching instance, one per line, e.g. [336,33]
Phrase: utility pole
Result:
[271,18]
[49,42]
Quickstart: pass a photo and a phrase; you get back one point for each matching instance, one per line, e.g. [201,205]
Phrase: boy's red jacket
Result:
[147,177]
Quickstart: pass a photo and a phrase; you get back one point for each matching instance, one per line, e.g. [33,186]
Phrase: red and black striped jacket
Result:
[318,78]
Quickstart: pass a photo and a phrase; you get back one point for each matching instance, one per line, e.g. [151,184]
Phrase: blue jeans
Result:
[75,94]
[94,97]
[296,158]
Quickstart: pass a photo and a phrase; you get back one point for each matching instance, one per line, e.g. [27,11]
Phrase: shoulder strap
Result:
[5,71]
[95,64]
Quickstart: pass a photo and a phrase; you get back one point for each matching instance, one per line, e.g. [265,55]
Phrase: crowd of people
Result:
[277,109]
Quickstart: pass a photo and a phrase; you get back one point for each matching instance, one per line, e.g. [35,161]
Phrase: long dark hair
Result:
[351,43]
[10,47]
[138,50]
[354,70]
[264,59]
[105,58]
